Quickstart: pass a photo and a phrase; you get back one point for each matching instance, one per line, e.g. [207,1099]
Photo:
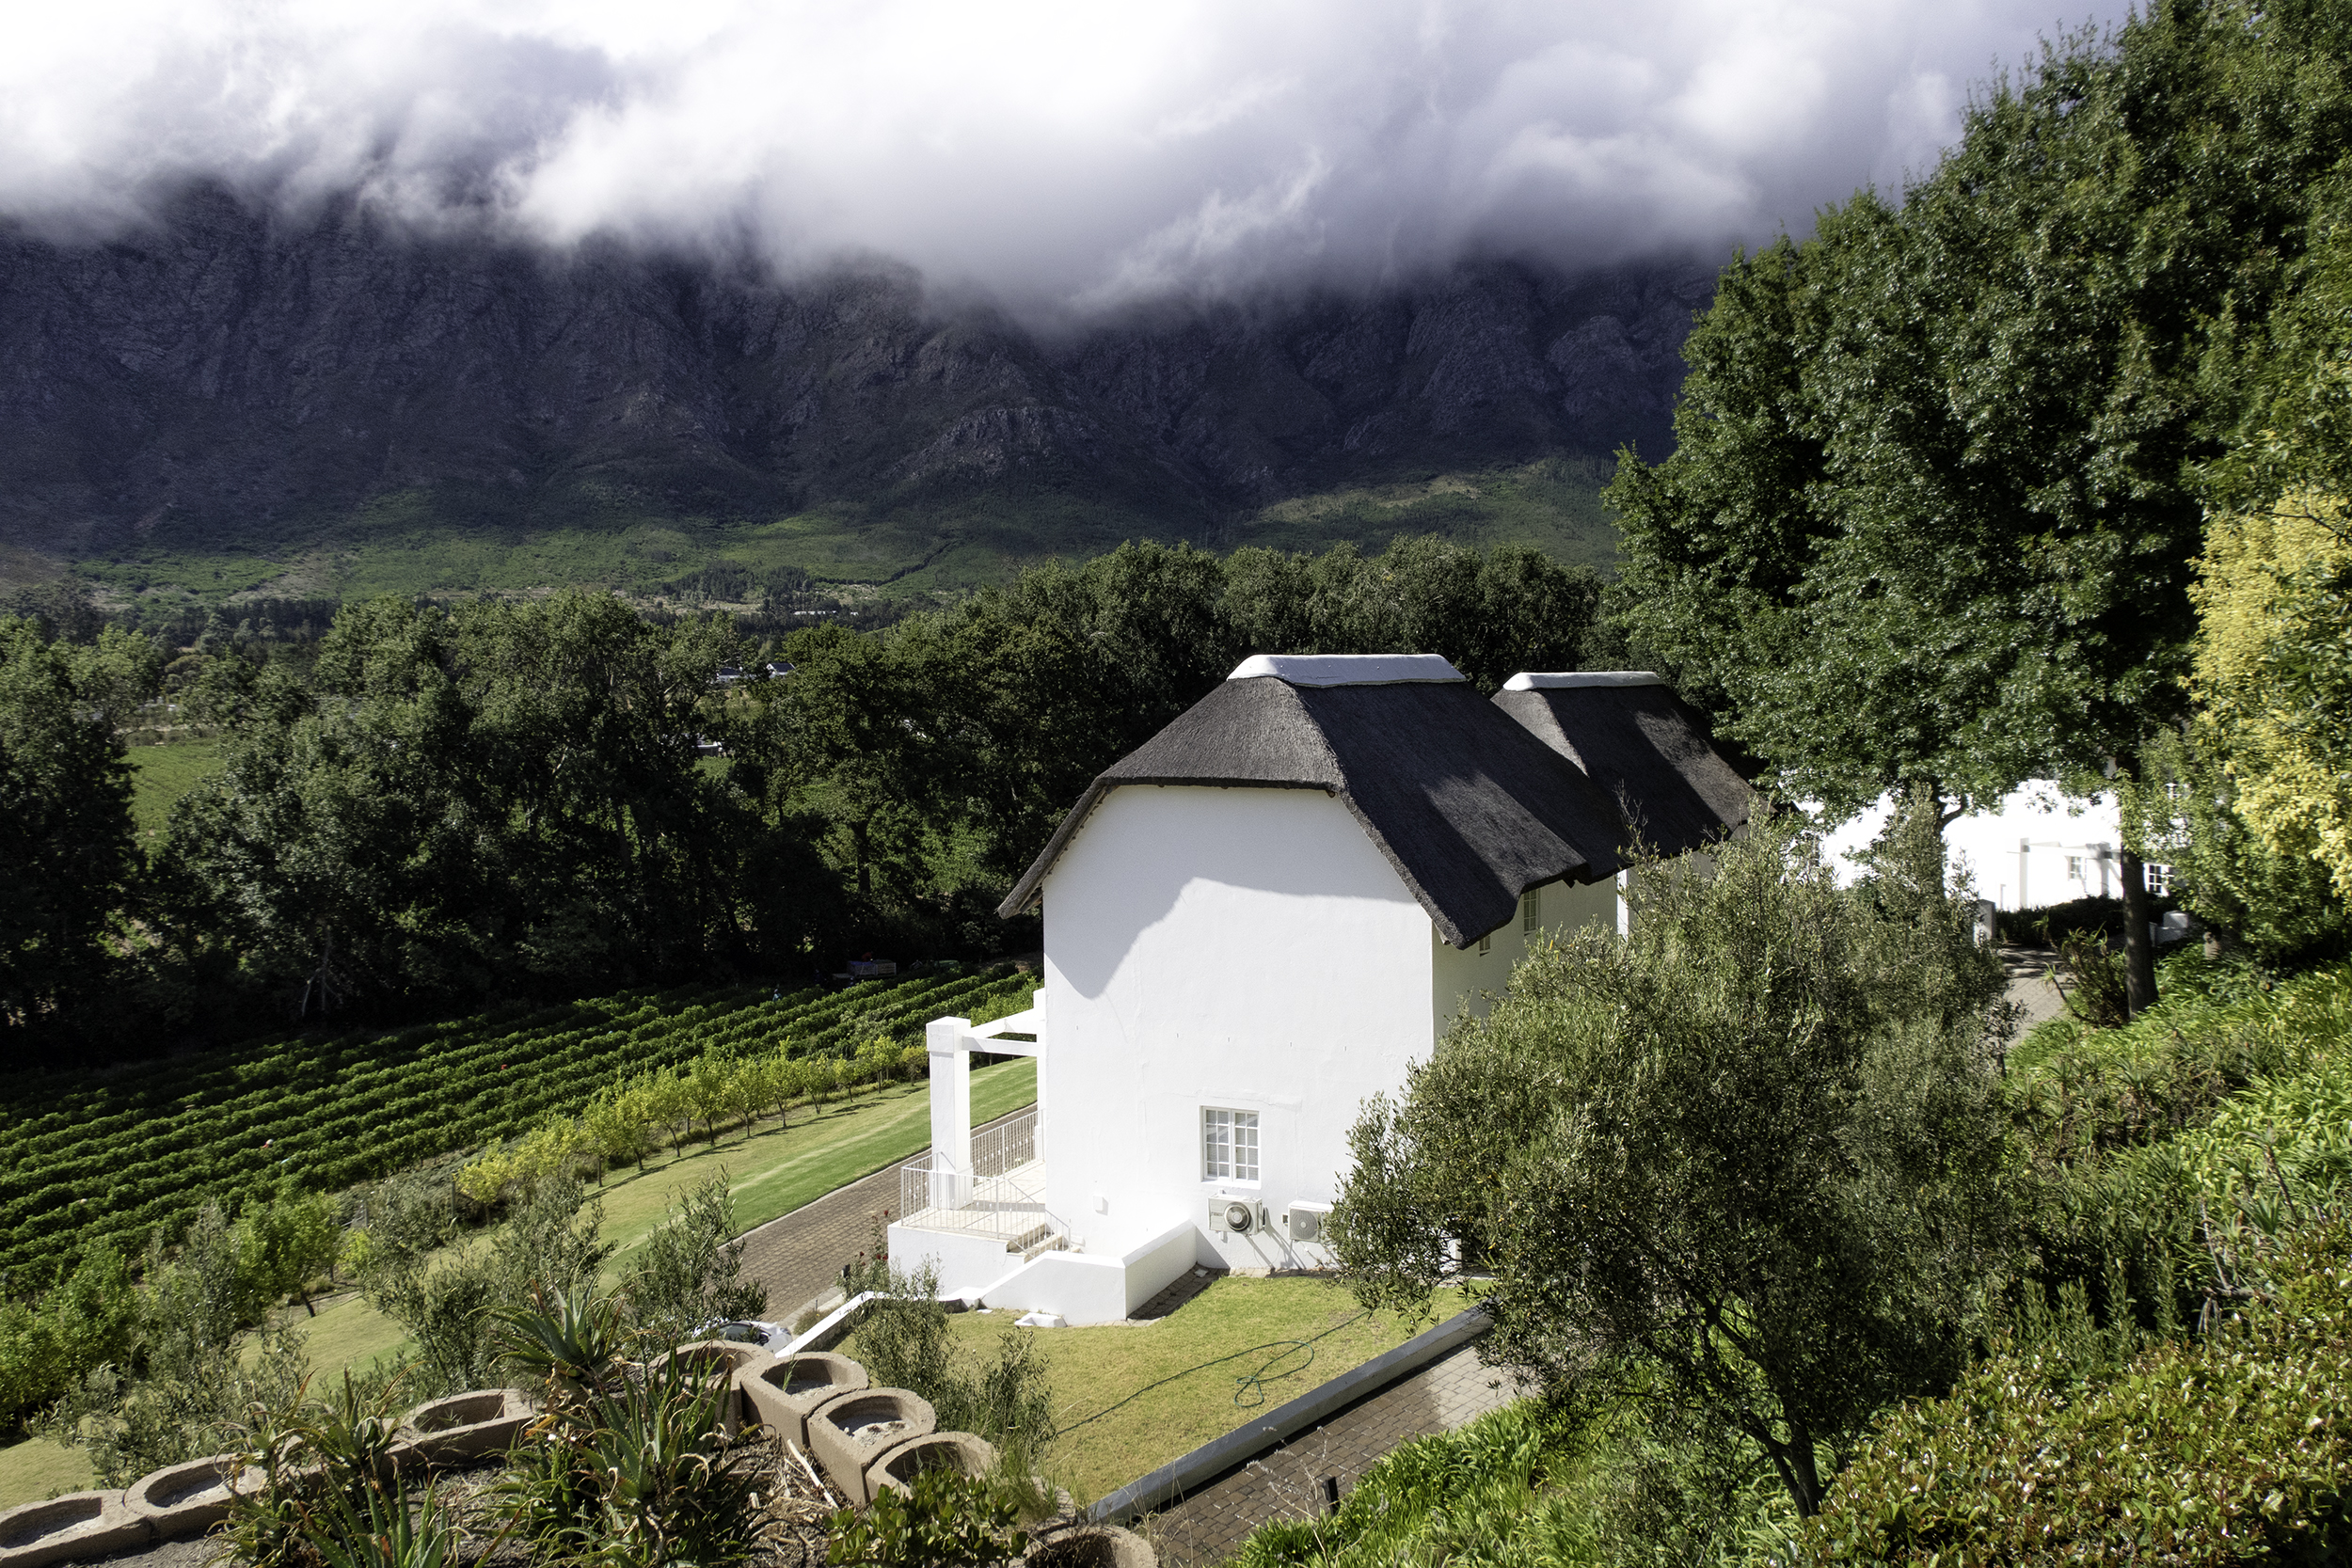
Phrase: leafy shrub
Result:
[1473,1493]
[2230,1449]
[952,1518]
[185,1383]
[903,1342]
[638,1470]
[689,1272]
[47,1347]
[449,1303]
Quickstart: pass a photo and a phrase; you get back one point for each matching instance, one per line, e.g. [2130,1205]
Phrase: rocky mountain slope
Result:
[235,378]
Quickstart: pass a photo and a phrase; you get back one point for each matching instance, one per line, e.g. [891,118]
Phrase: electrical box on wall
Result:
[1305,1220]
[1237,1217]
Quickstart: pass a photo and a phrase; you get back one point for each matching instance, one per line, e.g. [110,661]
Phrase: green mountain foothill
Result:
[404,544]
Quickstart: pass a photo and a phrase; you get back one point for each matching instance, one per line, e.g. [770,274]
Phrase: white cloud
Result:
[1054,152]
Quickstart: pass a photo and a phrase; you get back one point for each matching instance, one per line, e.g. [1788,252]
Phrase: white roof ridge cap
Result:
[1552,680]
[1347,669]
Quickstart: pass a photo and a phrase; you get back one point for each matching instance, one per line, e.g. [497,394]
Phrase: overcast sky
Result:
[1076,154]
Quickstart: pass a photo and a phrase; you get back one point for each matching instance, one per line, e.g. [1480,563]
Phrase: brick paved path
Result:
[1286,1482]
[799,1255]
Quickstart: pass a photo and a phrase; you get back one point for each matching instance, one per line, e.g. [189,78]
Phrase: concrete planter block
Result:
[784,1394]
[1093,1546]
[463,1426]
[78,1525]
[741,1362]
[960,1452]
[848,1433]
[181,1501]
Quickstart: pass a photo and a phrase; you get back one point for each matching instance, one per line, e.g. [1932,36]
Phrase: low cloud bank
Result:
[1058,156]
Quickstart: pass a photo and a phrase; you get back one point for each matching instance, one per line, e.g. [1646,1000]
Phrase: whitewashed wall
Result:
[2040,847]
[1241,948]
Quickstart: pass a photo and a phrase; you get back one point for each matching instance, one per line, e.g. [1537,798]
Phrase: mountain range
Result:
[240,397]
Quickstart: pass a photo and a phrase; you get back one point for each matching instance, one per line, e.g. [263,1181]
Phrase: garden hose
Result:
[1252,1384]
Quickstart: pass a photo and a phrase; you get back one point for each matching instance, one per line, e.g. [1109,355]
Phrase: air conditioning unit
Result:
[1237,1217]
[1305,1220]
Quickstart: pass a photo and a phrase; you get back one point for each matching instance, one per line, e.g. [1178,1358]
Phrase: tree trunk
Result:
[1793,1460]
[2139,952]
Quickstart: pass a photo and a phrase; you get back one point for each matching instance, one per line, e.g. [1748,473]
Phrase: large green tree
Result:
[1745,1161]
[69,855]
[1937,500]
[495,797]
[942,753]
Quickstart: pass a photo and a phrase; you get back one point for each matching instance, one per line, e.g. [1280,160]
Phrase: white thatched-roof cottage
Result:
[1253,922]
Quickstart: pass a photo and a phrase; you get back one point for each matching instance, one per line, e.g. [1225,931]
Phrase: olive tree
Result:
[1744,1160]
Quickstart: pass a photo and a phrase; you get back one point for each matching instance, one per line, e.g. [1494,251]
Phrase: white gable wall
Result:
[1466,978]
[1246,949]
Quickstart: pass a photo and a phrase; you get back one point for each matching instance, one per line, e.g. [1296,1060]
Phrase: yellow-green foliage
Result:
[2274,670]
[717,1090]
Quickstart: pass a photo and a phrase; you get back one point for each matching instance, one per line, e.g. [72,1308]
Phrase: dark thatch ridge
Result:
[1470,808]
[1649,751]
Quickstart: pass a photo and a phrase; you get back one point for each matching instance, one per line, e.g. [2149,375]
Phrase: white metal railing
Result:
[1007,1145]
[1002,1196]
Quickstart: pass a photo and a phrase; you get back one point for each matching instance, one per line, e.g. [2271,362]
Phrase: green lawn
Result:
[161,775]
[1094,1368]
[773,1172]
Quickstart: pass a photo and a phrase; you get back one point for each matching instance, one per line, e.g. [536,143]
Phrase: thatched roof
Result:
[1470,808]
[1642,745]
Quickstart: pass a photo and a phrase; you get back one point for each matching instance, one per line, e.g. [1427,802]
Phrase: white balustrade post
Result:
[951,1111]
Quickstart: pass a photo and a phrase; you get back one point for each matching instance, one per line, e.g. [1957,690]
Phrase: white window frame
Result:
[1222,1131]
[1532,910]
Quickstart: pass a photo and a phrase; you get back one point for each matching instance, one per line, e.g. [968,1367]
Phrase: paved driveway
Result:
[799,1255]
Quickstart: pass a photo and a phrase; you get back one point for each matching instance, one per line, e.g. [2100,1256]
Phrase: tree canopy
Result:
[1942,467]
[68,855]
[1937,495]
[1743,1162]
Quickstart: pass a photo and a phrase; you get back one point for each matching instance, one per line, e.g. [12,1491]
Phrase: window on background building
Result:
[2075,867]
[2159,881]
[1486,944]
[1531,910]
[1228,1145]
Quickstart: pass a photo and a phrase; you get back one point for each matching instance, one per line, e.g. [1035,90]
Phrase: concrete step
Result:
[1045,1244]
[1027,1242]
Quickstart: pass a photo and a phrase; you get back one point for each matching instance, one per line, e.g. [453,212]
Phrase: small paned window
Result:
[1486,944]
[2074,866]
[1531,910]
[1228,1145]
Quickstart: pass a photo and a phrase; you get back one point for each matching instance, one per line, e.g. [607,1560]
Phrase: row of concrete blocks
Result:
[865,1439]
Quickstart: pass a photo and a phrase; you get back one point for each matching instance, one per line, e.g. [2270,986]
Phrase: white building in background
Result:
[1254,922]
[2039,846]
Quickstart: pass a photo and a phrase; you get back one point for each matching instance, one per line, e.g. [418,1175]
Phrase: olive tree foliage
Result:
[1939,484]
[1745,1161]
